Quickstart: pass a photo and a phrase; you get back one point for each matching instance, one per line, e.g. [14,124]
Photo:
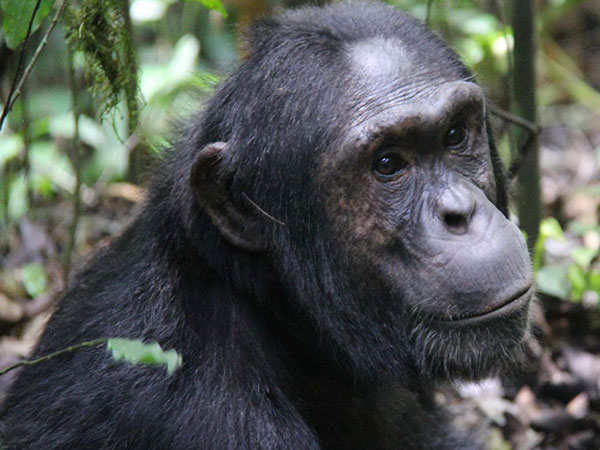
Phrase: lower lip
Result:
[513,305]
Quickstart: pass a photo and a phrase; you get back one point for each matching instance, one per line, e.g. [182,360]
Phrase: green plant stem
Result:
[131,65]
[72,348]
[130,90]
[36,55]
[428,14]
[508,87]
[26,146]
[76,162]
[528,182]
[11,93]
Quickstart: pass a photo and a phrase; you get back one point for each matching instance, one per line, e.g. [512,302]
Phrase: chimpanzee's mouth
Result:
[510,305]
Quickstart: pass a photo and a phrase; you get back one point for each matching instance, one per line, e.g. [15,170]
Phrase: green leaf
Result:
[552,229]
[17,196]
[135,351]
[17,14]
[583,256]
[10,146]
[594,281]
[549,228]
[552,280]
[576,277]
[480,24]
[214,5]
[34,279]
[49,161]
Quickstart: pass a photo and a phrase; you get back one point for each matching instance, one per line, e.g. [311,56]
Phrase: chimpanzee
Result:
[328,242]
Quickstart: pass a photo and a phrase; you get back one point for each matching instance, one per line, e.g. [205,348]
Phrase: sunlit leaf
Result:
[90,131]
[148,10]
[49,161]
[17,197]
[42,185]
[594,281]
[34,279]
[10,146]
[135,351]
[215,5]
[583,256]
[549,228]
[552,229]
[480,24]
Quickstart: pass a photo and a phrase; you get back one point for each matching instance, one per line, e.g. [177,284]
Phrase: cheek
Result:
[364,214]
[369,224]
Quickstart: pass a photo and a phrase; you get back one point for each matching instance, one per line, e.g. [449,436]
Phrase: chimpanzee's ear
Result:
[210,182]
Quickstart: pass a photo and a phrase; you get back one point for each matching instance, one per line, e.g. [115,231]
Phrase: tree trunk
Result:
[528,182]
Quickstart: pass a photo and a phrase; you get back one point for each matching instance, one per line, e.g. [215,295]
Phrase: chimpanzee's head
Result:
[352,151]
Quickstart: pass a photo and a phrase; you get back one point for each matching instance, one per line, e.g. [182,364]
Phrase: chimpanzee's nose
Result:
[456,206]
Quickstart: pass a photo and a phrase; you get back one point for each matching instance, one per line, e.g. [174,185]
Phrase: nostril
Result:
[455,208]
[456,222]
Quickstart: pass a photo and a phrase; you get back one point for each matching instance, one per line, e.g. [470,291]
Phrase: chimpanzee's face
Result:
[388,236]
[411,193]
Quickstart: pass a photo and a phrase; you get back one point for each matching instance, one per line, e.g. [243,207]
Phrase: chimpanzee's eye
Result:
[456,136]
[388,164]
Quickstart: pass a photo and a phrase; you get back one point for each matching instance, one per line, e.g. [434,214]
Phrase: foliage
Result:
[573,277]
[99,29]
[34,163]
[136,352]
[133,351]
[34,279]
[479,37]
[181,49]
[16,17]
[214,5]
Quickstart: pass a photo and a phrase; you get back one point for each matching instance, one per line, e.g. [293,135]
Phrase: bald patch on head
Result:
[380,57]
[388,74]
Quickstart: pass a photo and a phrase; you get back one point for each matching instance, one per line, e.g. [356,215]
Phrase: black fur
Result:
[279,350]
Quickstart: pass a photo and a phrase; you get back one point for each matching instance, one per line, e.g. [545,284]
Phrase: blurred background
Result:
[113,79]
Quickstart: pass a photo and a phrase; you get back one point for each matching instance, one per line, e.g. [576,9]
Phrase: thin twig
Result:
[263,211]
[531,128]
[428,14]
[72,348]
[517,162]
[514,119]
[26,145]
[36,55]
[19,64]
[76,162]
[508,91]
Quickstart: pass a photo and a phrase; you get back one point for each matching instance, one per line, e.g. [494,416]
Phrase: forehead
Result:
[409,60]
[380,58]
[391,79]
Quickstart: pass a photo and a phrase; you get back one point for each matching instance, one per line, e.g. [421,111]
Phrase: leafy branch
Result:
[15,91]
[133,351]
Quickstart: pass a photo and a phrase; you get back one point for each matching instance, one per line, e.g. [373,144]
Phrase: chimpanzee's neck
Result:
[240,304]
[349,414]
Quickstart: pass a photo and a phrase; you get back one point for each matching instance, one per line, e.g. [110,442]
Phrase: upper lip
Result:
[512,303]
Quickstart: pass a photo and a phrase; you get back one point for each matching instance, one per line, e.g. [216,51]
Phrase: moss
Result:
[101,30]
